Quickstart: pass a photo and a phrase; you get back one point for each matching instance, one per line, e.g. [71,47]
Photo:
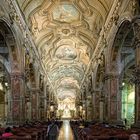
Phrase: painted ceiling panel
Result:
[66,71]
[68,82]
[64,93]
[65,13]
[66,52]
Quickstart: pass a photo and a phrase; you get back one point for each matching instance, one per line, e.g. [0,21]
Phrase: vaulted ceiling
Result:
[65,33]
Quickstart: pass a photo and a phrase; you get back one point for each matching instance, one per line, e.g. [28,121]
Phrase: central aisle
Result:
[66,131]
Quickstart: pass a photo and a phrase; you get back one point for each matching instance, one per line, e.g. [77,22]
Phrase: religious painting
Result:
[66,52]
[66,13]
[66,71]
[69,82]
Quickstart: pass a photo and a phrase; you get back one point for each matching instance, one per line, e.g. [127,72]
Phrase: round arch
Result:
[121,62]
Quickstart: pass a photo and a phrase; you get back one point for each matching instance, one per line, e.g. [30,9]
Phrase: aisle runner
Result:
[66,131]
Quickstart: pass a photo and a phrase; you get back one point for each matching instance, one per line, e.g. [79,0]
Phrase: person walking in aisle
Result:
[53,130]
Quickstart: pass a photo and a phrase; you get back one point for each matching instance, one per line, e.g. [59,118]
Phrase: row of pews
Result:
[29,131]
[100,131]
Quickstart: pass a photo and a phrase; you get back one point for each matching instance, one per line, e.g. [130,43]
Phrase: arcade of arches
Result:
[70,59]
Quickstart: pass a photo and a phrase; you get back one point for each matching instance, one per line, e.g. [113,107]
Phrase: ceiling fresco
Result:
[64,93]
[66,52]
[65,13]
[68,82]
[65,33]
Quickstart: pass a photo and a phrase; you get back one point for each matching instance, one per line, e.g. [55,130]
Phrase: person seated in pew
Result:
[86,128]
[8,132]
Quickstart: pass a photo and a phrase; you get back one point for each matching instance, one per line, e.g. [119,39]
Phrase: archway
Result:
[4,92]
[123,56]
[11,74]
[5,68]
[128,92]
[99,90]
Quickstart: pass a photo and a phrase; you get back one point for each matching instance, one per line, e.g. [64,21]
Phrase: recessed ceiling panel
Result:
[65,13]
[69,82]
[66,71]
[63,93]
[66,52]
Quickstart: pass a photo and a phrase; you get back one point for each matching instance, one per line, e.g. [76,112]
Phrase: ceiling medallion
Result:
[66,30]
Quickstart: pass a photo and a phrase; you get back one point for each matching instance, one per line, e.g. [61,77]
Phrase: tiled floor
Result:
[66,131]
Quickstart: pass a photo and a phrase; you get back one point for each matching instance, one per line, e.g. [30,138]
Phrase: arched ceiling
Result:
[65,33]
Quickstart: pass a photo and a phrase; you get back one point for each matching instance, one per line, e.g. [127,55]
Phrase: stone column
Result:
[87,97]
[89,108]
[136,28]
[84,111]
[45,103]
[41,108]
[34,104]
[96,105]
[28,106]
[92,108]
[88,88]
[137,95]
[85,106]
[113,98]
[16,102]
[102,107]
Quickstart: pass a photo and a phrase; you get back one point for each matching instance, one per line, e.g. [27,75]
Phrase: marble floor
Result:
[66,131]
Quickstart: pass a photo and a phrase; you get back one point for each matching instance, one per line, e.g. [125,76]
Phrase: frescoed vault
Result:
[65,33]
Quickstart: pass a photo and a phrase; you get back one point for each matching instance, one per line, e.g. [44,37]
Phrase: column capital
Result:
[136,75]
[34,90]
[136,28]
[17,75]
[108,76]
[136,43]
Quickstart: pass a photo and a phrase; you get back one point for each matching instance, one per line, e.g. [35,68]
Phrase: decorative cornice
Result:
[112,17]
